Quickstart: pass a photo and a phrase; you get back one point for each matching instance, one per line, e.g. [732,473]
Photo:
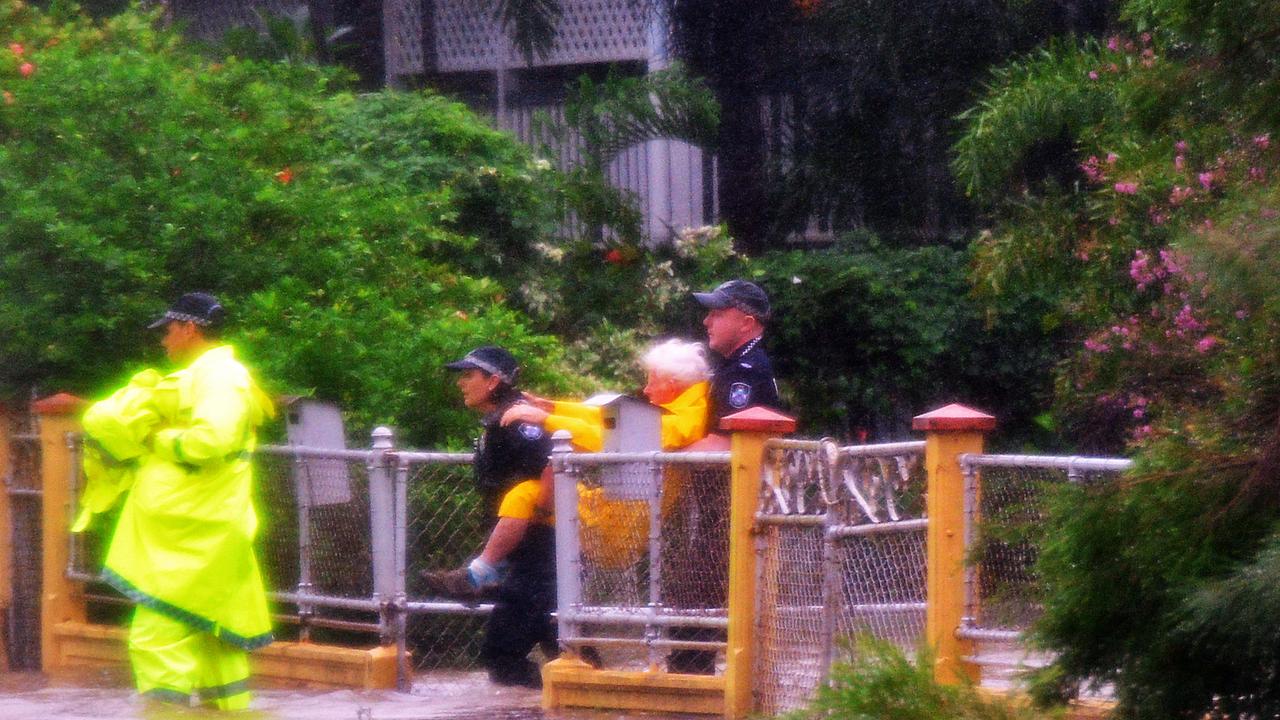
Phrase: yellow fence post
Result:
[949,432]
[751,428]
[61,599]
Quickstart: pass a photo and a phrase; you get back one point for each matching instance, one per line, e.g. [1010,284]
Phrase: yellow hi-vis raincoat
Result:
[614,533]
[183,546]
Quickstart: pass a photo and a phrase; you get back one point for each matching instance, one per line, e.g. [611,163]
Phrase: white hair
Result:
[681,360]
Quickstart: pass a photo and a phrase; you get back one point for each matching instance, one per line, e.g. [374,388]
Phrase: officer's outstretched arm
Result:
[217,429]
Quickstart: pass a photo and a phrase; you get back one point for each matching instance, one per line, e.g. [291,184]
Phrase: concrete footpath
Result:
[99,695]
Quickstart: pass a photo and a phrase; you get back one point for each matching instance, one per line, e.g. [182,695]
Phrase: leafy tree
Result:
[351,235]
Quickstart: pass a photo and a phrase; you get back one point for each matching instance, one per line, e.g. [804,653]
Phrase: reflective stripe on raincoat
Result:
[184,543]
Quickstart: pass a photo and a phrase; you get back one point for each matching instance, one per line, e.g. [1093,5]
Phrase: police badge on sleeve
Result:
[739,395]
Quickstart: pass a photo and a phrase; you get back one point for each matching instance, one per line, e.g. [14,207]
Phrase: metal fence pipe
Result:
[447,608]
[913,447]
[305,498]
[884,528]
[971,633]
[404,674]
[615,616]
[382,526]
[411,457]
[303,451]
[293,598]
[653,631]
[568,552]
[1055,462]
[651,643]
[665,458]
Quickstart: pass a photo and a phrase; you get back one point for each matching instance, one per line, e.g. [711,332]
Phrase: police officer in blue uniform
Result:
[737,311]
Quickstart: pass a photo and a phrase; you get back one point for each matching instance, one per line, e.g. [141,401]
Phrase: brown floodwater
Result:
[100,694]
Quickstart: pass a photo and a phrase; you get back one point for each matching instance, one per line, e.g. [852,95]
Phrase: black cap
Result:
[740,294]
[200,308]
[491,359]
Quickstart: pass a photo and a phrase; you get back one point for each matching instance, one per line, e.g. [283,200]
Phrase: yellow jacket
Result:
[684,422]
[184,543]
[116,431]
[614,533]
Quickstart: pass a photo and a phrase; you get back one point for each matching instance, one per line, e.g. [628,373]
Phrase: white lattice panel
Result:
[402,37]
[210,19]
[468,38]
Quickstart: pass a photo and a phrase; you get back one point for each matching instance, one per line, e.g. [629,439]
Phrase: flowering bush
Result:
[1156,244]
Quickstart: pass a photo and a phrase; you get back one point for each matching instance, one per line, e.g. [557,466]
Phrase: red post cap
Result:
[759,419]
[953,417]
[60,404]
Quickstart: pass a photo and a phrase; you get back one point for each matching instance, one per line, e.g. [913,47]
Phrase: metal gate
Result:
[841,552]
[22,485]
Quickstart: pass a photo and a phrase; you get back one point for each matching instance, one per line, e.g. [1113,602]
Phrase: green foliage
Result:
[1153,245]
[909,338]
[350,235]
[879,682]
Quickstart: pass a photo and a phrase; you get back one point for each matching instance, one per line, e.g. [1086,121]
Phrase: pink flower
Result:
[1148,53]
[1263,141]
[1257,174]
[1145,38]
[1096,346]
[1206,179]
[1113,43]
[1179,161]
[1186,321]
[1242,314]
[16,49]
[25,69]
[1112,158]
[1156,216]
[1092,169]
[1126,188]
[1207,343]
[1180,146]
[1139,413]
[1180,194]
[1113,221]
[1142,432]
[1269,213]
[1093,74]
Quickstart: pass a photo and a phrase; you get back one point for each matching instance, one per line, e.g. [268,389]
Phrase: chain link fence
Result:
[1006,509]
[21,630]
[642,544]
[841,552]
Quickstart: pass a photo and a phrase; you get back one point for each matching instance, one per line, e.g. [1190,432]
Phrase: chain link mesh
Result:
[22,621]
[446,528]
[623,569]
[842,552]
[1008,510]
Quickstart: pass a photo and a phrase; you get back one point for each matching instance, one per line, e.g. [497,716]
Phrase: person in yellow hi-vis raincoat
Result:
[177,448]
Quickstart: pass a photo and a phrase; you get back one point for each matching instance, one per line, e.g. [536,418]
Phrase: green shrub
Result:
[879,682]
[352,236]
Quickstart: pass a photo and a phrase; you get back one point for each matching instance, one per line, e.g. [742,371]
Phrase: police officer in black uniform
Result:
[695,568]
[509,462]
[737,311]
[504,455]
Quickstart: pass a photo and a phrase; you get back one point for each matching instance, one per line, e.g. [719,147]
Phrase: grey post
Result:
[382,527]
[305,586]
[400,624]
[568,552]
[654,632]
